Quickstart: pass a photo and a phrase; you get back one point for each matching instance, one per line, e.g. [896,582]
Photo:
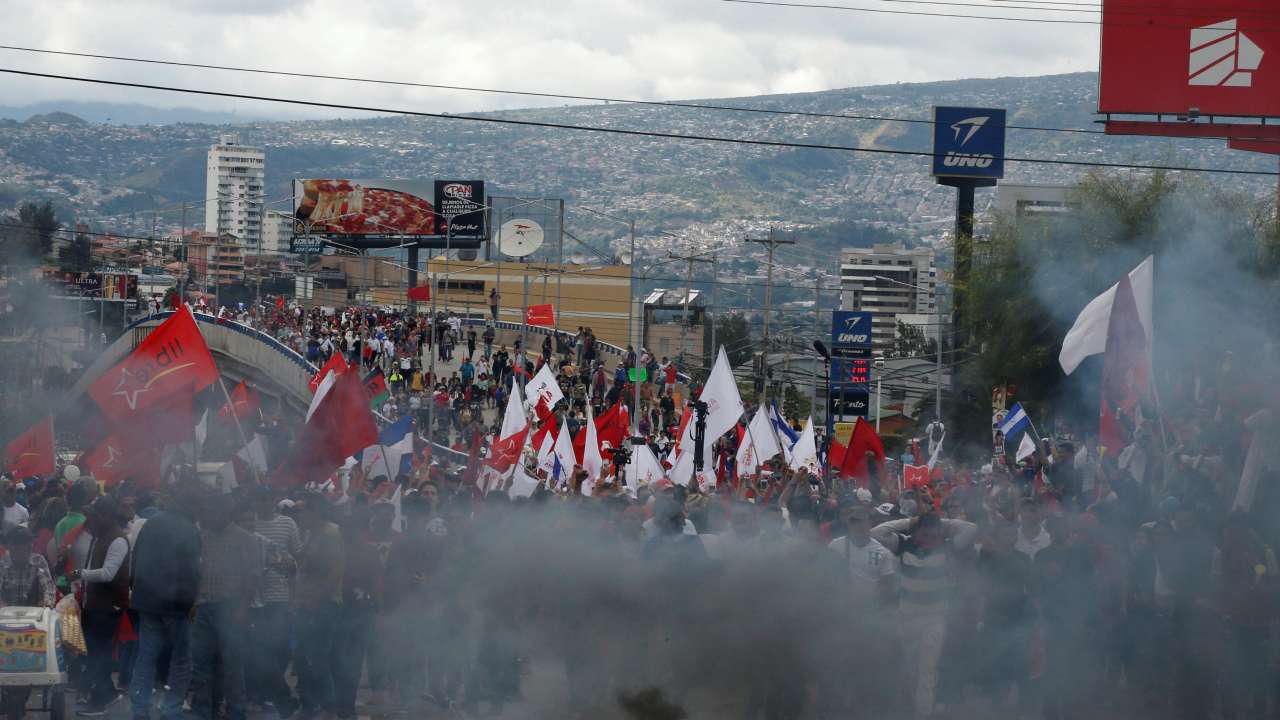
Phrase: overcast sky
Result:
[646,49]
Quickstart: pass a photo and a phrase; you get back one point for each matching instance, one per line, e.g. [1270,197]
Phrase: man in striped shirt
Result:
[271,616]
[924,546]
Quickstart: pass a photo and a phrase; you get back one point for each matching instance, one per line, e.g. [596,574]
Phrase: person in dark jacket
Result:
[106,595]
[165,580]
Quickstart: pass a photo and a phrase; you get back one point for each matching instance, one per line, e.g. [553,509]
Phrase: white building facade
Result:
[235,184]
[277,230]
[889,281]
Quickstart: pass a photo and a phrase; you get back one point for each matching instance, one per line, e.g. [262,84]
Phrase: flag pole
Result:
[239,428]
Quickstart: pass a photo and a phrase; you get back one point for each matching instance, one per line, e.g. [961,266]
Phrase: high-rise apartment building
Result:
[234,186]
[888,281]
[277,230]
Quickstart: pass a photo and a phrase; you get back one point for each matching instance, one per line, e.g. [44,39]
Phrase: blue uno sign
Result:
[968,142]
[850,330]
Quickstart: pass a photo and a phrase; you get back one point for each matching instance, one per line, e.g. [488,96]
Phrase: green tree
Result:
[76,255]
[912,342]
[796,404]
[26,238]
[733,332]
[1217,265]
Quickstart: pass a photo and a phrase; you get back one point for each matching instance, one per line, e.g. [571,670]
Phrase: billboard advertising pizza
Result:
[382,207]
[460,207]
[1211,57]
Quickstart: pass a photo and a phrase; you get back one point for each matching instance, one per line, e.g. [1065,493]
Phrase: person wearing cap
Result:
[870,565]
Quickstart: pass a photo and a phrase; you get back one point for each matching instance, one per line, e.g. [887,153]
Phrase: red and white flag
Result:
[244,403]
[336,364]
[543,391]
[1089,334]
[339,424]
[540,315]
[31,453]
[172,359]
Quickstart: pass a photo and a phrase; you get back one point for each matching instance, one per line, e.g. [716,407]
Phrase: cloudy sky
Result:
[644,49]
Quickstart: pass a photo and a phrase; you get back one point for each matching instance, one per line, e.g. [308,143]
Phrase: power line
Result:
[612,131]
[525,93]
[920,13]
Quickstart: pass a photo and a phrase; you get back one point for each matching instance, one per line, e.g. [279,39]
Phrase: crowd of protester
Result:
[1130,582]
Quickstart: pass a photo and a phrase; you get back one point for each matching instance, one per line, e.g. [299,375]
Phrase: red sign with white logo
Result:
[1216,57]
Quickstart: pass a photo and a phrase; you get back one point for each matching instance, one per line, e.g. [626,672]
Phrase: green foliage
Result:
[76,255]
[733,332]
[1217,262]
[26,238]
[796,404]
[912,342]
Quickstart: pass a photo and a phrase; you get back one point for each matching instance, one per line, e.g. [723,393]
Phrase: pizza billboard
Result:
[356,208]
[1210,57]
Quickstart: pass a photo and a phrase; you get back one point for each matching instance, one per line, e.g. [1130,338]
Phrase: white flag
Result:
[592,461]
[202,429]
[513,420]
[546,454]
[724,404]
[760,444]
[563,452]
[543,388]
[1026,448]
[935,451]
[255,454]
[804,455]
[644,468]
[1088,336]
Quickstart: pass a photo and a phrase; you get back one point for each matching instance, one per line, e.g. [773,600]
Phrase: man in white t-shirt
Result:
[14,514]
[870,564]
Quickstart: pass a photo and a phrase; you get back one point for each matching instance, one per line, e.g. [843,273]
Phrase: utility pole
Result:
[817,328]
[688,290]
[771,242]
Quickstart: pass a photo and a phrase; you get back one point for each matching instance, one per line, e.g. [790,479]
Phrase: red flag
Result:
[172,359]
[614,425]
[122,456]
[544,315]
[915,476]
[835,455]
[244,403]
[280,303]
[1125,367]
[341,426]
[863,440]
[506,451]
[421,293]
[31,453]
[336,363]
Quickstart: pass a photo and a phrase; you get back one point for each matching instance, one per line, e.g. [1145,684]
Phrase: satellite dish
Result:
[519,237]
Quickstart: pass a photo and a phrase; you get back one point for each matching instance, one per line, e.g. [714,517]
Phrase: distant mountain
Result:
[125,114]
[119,174]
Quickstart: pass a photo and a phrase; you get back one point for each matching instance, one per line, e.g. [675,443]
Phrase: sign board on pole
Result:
[968,142]
[850,329]
[306,244]
[849,404]
[1211,57]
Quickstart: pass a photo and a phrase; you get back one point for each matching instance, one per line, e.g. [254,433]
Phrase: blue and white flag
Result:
[785,433]
[1015,421]
[395,444]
